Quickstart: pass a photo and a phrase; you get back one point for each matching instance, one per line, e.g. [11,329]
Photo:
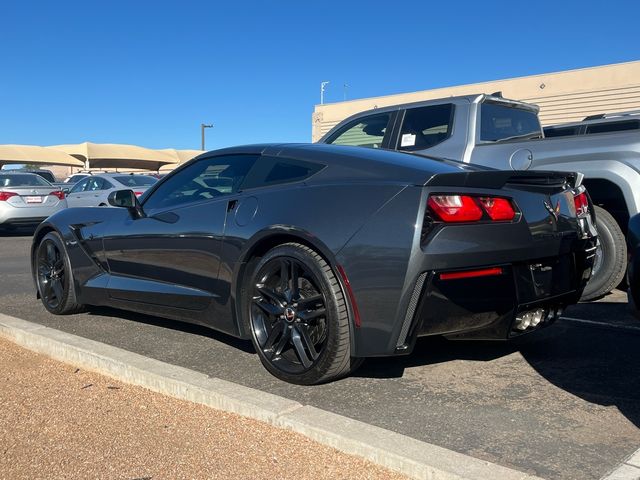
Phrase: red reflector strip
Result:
[352,298]
[485,272]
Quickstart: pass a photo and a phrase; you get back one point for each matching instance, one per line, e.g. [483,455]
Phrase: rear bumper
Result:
[486,307]
[28,215]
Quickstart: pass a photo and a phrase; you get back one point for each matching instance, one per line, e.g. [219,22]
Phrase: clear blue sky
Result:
[149,72]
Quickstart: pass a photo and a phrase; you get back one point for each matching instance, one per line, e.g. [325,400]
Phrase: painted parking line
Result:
[629,328]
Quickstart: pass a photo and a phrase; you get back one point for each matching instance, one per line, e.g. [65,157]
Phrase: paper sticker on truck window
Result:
[408,140]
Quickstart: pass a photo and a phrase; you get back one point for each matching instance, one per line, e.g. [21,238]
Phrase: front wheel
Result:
[54,278]
[298,317]
[611,257]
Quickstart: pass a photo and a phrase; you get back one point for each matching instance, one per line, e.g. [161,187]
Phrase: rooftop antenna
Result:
[323,86]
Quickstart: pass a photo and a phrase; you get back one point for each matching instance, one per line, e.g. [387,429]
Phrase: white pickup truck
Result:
[506,134]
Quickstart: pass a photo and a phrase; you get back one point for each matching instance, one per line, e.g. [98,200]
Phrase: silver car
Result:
[27,199]
[94,190]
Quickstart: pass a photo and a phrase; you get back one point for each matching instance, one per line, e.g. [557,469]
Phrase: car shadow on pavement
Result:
[599,364]
[244,345]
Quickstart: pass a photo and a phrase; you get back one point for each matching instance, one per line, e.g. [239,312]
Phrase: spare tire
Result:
[611,257]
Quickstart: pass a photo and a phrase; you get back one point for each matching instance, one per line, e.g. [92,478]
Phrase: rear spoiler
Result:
[499,178]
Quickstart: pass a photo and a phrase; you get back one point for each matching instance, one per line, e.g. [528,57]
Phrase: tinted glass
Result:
[48,176]
[203,180]
[367,132]
[502,122]
[274,170]
[551,132]
[425,127]
[22,180]
[94,184]
[79,187]
[75,178]
[614,126]
[136,180]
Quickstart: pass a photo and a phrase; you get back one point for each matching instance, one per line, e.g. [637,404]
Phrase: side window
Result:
[275,170]
[426,126]
[94,184]
[106,185]
[203,180]
[79,187]
[551,132]
[507,122]
[364,132]
[613,127]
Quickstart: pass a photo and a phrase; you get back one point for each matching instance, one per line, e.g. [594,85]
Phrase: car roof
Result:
[355,163]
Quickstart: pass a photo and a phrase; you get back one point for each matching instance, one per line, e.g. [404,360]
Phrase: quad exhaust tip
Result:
[533,318]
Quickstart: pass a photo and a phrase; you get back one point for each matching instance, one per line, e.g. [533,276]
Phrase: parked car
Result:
[27,199]
[506,134]
[324,255]
[94,190]
[633,272]
[594,124]
[46,174]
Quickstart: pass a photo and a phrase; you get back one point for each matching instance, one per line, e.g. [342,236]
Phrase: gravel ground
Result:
[57,421]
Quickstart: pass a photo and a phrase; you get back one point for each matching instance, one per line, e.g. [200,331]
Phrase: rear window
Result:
[23,180]
[614,127]
[273,170]
[136,180]
[366,132]
[503,122]
[551,132]
[425,127]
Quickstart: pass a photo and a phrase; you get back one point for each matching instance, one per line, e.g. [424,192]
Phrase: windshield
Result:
[507,122]
[22,180]
[136,180]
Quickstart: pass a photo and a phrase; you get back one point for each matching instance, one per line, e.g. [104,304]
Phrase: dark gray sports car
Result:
[323,255]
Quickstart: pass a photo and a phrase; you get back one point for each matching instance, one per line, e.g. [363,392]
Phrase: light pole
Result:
[344,91]
[323,85]
[202,127]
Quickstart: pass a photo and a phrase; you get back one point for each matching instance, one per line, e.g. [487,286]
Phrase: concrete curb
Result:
[397,452]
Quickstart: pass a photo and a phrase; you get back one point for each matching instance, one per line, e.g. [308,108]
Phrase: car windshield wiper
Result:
[524,136]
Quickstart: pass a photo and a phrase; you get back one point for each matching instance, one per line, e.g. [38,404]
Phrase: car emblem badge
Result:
[555,212]
[289,314]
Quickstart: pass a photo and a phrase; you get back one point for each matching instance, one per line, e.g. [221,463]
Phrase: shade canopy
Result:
[112,155]
[182,156]
[31,154]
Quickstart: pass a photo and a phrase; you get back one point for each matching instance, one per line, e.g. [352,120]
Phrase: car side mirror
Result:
[126,199]
[66,191]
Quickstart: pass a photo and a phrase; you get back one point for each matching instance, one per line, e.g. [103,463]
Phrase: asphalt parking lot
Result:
[563,403]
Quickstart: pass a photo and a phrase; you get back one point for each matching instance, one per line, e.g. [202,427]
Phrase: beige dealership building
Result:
[562,96]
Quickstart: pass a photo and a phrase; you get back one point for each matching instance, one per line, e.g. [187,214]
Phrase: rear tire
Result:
[298,317]
[611,257]
[54,277]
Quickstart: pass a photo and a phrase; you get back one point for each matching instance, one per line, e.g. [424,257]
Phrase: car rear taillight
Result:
[467,208]
[455,208]
[138,193]
[582,204]
[498,209]
[59,194]
[4,196]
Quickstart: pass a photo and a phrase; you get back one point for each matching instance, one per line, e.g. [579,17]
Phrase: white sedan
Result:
[94,190]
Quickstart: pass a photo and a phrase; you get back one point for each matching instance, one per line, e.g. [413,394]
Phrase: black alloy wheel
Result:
[298,316]
[53,276]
